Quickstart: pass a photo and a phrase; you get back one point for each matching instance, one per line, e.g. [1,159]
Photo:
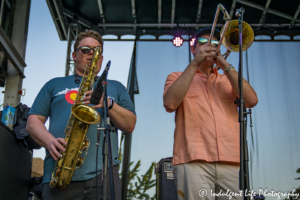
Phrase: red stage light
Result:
[177,41]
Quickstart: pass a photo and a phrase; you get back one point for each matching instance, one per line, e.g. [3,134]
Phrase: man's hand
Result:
[221,62]
[203,52]
[249,95]
[56,145]
[37,130]
[87,99]
[122,118]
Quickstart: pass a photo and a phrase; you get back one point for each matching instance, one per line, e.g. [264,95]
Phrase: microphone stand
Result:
[244,173]
[107,149]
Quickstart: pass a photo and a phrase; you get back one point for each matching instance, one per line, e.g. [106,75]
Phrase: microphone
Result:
[97,93]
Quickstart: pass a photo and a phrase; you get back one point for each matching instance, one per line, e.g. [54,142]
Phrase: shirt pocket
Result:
[194,90]
[225,90]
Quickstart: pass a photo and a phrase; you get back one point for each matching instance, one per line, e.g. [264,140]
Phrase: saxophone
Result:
[82,116]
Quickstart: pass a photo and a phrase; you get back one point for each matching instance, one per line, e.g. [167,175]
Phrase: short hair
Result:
[88,33]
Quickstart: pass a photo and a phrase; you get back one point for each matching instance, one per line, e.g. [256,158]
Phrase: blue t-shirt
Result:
[55,101]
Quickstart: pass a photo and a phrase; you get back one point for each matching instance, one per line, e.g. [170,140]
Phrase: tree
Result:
[139,189]
[138,186]
[297,189]
[298,171]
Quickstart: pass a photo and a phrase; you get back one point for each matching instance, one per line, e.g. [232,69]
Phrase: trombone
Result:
[230,33]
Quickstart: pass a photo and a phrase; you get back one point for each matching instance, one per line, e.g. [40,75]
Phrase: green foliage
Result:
[297,191]
[120,156]
[298,171]
[138,186]
[138,189]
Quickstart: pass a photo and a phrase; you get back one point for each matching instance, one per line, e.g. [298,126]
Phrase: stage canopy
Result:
[160,17]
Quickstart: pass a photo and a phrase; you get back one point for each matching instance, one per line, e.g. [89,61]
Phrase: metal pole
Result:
[2,9]
[189,46]
[68,51]
[19,39]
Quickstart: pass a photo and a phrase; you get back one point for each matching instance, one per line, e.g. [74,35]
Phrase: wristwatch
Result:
[228,69]
[111,103]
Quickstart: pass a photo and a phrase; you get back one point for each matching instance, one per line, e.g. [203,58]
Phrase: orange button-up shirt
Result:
[207,126]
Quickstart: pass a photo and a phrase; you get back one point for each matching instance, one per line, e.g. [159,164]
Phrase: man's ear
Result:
[74,56]
[193,49]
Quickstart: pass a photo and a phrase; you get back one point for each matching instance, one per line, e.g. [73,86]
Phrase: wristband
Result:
[228,69]
[111,103]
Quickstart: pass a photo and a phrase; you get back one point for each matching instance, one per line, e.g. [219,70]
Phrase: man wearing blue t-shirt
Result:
[55,101]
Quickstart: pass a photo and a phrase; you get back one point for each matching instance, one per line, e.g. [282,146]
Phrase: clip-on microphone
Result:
[97,93]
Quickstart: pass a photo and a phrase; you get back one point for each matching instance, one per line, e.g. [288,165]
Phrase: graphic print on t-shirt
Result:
[70,94]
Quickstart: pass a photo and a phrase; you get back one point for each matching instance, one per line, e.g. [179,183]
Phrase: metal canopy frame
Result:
[12,53]
[170,17]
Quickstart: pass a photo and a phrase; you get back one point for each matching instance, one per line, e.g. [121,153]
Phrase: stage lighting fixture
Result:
[192,41]
[177,41]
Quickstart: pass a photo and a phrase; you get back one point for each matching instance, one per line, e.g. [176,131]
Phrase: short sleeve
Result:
[124,99]
[170,80]
[42,102]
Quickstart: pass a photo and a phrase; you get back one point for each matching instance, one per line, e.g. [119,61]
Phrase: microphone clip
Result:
[239,11]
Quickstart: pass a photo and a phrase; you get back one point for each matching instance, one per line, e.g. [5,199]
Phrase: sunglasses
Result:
[202,41]
[85,50]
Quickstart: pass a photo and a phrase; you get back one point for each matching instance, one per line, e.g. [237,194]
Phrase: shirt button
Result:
[217,122]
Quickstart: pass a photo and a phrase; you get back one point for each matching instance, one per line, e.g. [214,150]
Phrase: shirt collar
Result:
[215,71]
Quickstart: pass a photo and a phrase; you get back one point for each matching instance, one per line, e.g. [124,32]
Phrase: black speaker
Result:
[15,166]
[165,184]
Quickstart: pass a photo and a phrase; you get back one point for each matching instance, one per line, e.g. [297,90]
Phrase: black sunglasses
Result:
[85,50]
[202,41]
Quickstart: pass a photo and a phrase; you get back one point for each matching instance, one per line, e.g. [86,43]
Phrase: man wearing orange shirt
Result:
[206,154]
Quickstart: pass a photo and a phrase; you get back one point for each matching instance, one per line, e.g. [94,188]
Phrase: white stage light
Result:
[177,41]
[192,41]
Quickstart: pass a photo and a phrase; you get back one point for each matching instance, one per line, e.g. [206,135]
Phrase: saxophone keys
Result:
[59,163]
[53,183]
[80,124]
[84,148]
[57,172]
[85,144]
[79,161]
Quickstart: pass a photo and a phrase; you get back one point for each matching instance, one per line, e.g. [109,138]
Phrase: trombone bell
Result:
[231,37]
